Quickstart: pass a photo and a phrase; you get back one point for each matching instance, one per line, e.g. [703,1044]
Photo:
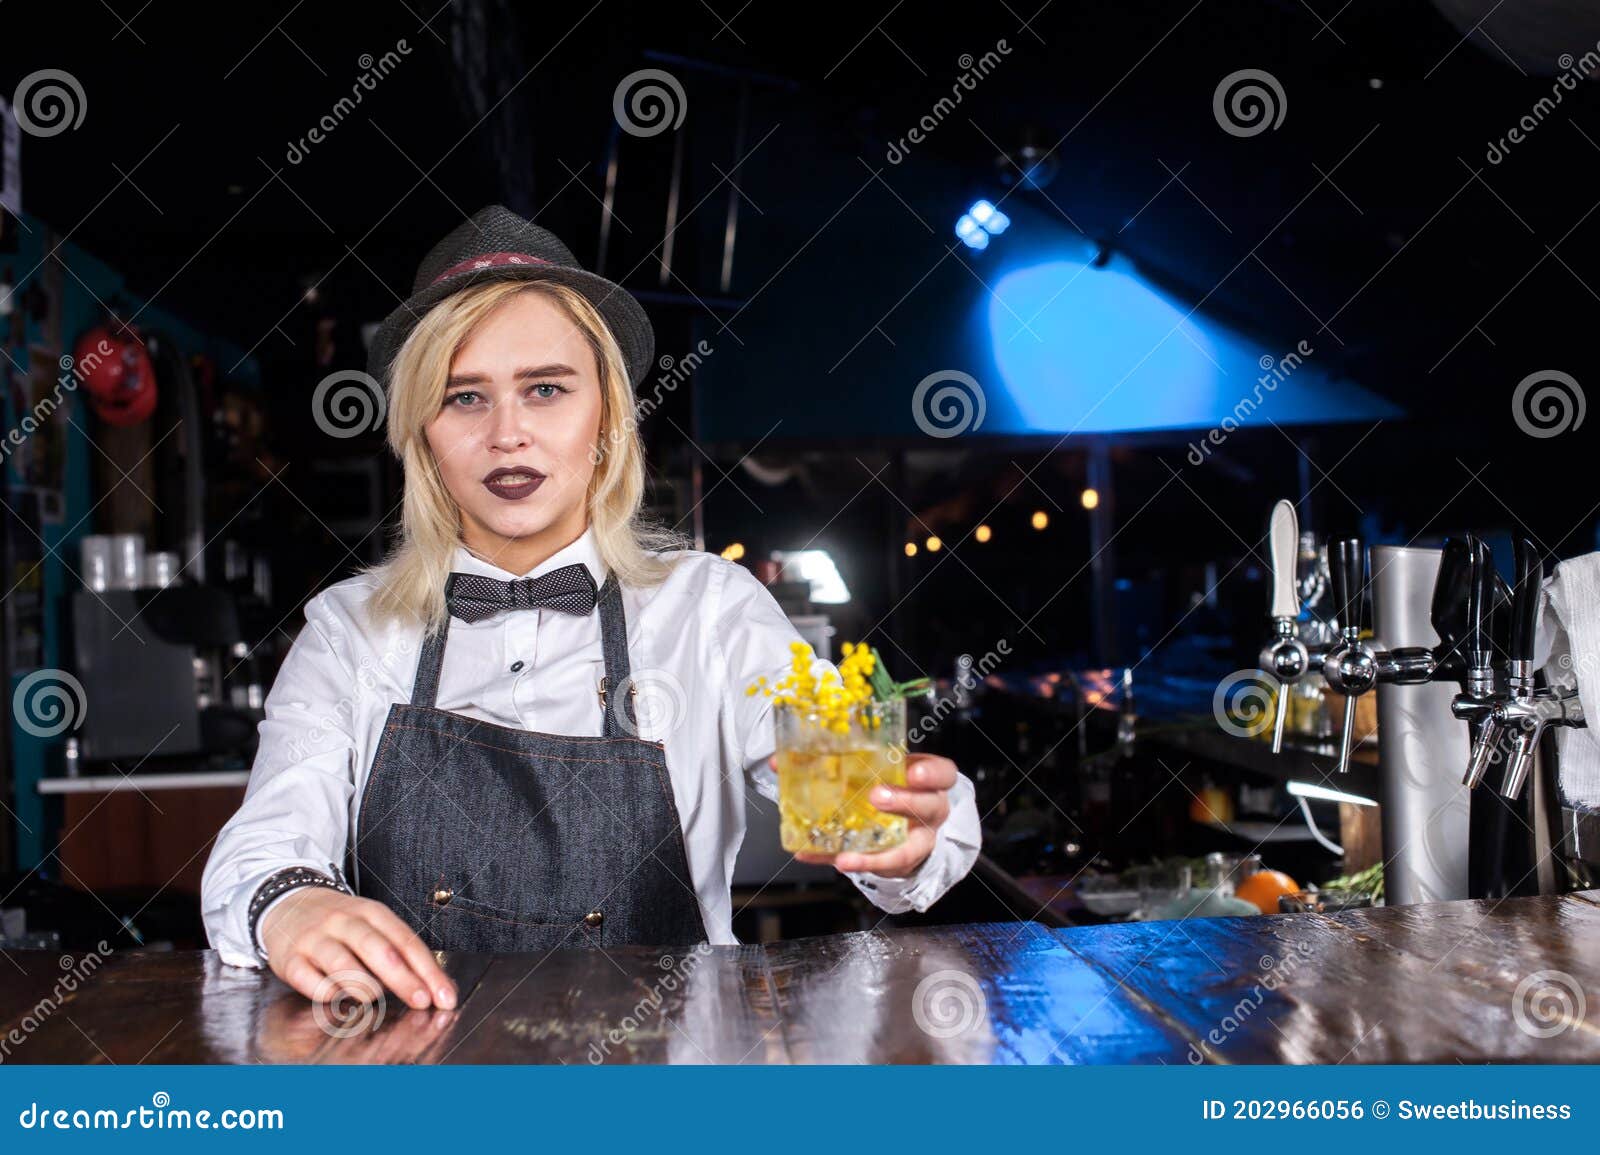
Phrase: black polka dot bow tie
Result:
[472,597]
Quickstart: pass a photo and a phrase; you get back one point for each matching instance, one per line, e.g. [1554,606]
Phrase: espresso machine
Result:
[1458,702]
[165,658]
[169,673]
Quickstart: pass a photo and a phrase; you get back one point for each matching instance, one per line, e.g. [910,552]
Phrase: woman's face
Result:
[514,434]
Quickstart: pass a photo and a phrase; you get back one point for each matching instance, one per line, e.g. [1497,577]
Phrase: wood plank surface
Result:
[189,1007]
[980,993]
[1430,983]
[1511,981]
[620,1005]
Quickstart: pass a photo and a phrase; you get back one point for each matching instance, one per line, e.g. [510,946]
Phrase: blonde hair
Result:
[411,578]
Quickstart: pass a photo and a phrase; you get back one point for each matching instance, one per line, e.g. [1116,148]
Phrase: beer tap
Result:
[1476,703]
[1466,594]
[1413,665]
[1351,666]
[1286,657]
[1450,606]
[1522,711]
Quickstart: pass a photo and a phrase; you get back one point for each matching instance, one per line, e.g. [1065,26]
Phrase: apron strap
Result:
[426,688]
[613,644]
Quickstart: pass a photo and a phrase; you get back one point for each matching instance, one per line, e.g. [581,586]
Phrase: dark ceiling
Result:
[1371,211]
[1376,213]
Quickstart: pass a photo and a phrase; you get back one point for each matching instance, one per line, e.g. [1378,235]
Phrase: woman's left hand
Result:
[924,800]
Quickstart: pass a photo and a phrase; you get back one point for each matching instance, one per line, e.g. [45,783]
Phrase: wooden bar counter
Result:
[1510,981]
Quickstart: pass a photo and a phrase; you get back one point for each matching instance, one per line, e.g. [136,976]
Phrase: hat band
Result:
[489,261]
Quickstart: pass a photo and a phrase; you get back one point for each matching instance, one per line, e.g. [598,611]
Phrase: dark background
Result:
[1370,220]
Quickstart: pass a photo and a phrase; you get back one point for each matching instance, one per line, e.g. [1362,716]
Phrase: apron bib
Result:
[488,838]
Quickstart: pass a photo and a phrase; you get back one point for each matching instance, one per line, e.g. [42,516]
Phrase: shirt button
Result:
[515,666]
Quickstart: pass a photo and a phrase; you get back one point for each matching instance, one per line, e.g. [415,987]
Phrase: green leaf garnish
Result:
[886,689]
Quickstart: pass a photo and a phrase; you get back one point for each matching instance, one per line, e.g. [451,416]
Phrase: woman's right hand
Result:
[325,943]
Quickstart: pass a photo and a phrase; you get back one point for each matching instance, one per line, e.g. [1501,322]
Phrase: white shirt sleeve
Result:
[296,805]
[754,634]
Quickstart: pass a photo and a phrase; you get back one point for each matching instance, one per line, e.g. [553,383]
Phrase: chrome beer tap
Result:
[1523,712]
[1525,719]
[1351,666]
[1449,612]
[1414,665]
[1476,703]
[1286,657]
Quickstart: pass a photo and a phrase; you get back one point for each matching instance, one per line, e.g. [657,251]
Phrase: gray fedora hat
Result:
[498,245]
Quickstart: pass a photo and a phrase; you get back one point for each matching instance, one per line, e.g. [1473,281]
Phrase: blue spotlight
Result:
[979,223]
[992,219]
[971,233]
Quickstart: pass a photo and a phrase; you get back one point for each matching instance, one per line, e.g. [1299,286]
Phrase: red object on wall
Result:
[112,362]
[131,410]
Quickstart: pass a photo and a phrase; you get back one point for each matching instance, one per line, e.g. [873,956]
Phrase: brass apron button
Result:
[593,918]
[443,895]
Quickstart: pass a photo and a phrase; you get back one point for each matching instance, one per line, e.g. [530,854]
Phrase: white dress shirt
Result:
[695,642]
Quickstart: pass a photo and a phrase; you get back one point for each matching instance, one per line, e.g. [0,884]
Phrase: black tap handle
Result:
[1448,610]
[1480,594]
[1347,567]
[1499,623]
[1525,603]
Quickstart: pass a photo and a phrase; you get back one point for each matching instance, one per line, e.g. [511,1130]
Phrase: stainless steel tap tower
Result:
[1421,744]
[1452,665]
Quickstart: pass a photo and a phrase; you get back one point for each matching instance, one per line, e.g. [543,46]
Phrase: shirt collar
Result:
[582,551]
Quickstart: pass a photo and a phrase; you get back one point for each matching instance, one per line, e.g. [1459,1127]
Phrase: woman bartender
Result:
[453,756]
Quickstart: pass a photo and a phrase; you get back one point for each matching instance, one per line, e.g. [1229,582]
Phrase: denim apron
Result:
[489,838]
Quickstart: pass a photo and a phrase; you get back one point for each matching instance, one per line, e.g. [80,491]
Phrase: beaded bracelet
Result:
[283,881]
